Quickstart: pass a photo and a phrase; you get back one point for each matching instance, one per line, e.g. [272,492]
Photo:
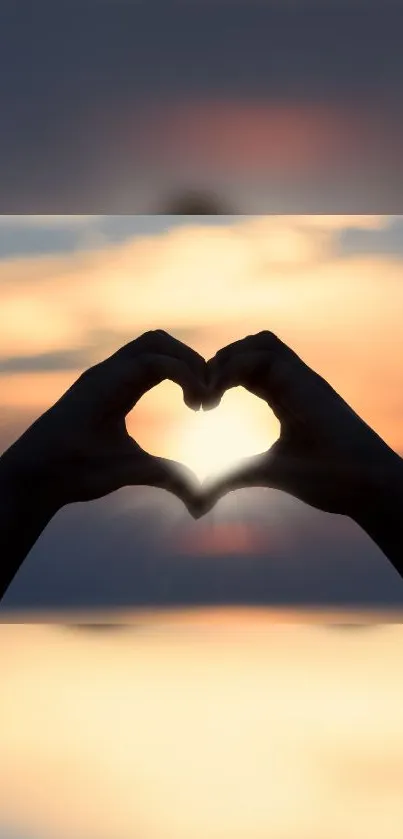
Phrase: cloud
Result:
[210,284]
[188,277]
[46,221]
[386,240]
[63,360]
[24,235]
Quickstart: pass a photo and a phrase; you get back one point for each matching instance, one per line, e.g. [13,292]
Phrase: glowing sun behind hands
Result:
[211,443]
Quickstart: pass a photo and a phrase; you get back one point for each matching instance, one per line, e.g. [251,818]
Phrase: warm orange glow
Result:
[209,286]
[211,730]
[256,135]
[191,729]
[222,538]
[212,442]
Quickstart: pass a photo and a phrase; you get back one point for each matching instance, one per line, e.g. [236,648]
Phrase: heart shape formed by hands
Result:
[325,453]
[315,458]
[209,443]
[80,449]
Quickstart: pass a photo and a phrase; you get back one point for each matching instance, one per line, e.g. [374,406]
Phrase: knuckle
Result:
[212,365]
[268,336]
[281,370]
[147,361]
[90,373]
[232,365]
[147,336]
[198,361]
[323,384]
[155,334]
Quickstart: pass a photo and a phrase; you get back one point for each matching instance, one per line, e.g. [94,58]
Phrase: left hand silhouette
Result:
[80,449]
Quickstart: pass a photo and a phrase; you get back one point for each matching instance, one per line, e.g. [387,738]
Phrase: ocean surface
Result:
[210,724]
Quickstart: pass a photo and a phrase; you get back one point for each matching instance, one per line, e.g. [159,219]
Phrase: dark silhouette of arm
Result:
[326,455]
[79,450]
[380,514]
[26,506]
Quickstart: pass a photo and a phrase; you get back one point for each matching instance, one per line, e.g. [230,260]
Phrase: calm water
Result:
[209,724]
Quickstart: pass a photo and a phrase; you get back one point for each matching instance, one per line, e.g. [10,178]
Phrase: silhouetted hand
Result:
[326,455]
[80,449]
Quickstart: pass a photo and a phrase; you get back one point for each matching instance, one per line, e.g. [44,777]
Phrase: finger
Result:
[252,472]
[117,387]
[262,341]
[154,369]
[262,373]
[291,388]
[274,469]
[160,342]
[169,475]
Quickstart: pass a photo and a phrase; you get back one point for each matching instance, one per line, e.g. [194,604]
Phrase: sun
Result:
[211,443]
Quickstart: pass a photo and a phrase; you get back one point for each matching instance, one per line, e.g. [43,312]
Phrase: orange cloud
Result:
[212,285]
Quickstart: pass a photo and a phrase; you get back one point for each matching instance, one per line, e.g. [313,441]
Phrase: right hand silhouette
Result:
[326,455]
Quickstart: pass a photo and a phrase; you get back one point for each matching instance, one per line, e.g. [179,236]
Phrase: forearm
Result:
[381,513]
[26,507]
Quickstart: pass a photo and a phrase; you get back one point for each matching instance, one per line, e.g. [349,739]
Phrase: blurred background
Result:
[178,728]
[121,106]
[73,289]
[239,676]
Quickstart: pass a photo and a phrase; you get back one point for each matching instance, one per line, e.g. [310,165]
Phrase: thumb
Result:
[163,473]
[251,472]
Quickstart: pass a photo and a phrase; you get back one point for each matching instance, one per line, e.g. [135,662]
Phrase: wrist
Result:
[22,482]
[379,509]
[27,506]
[384,481]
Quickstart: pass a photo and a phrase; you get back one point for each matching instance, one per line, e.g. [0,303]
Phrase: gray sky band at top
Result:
[112,107]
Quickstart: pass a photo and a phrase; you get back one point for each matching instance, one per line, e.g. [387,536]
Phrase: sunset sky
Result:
[74,289]
[233,696]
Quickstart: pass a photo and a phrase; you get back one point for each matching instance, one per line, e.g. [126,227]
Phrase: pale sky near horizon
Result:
[179,727]
[224,723]
[73,289]
[199,729]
